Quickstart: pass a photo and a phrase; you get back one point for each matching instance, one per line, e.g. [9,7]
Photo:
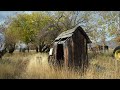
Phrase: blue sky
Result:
[5,14]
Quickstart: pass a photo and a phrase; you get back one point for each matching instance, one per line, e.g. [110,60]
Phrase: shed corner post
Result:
[65,56]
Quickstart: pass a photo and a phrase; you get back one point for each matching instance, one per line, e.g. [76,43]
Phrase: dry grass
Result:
[35,66]
[38,68]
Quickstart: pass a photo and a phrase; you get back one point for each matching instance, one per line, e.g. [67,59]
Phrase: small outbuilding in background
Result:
[70,48]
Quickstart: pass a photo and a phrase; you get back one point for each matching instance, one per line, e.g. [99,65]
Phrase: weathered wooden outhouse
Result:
[70,48]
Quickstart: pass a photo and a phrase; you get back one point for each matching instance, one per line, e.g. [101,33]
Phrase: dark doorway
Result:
[60,53]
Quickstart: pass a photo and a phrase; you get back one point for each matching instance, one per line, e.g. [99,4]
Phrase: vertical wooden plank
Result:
[82,49]
[72,46]
[65,55]
[86,54]
[69,52]
[55,52]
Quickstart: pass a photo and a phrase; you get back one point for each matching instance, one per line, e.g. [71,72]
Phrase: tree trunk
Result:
[28,47]
[36,47]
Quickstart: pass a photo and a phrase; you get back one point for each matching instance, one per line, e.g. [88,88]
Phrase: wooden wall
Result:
[79,49]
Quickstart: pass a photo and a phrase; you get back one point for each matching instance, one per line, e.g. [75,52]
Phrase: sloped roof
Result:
[70,32]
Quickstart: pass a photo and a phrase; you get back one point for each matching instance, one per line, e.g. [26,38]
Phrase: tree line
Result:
[42,27]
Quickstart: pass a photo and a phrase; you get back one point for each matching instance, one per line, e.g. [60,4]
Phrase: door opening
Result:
[60,53]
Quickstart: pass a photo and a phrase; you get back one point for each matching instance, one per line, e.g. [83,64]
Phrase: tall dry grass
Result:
[35,66]
[38,68]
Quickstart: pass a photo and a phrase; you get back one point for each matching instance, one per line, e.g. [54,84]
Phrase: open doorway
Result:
[60,53]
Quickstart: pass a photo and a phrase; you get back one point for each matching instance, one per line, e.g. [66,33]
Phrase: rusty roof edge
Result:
[64,40]
[65,33]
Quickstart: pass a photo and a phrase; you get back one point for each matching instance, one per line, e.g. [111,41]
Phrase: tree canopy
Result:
[44,26]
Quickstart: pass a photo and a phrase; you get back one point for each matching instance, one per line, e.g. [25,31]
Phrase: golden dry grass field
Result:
[35,66]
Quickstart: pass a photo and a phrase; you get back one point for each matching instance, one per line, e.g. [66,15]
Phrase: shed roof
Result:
[70,32]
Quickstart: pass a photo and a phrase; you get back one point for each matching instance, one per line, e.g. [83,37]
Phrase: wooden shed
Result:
[70,48]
